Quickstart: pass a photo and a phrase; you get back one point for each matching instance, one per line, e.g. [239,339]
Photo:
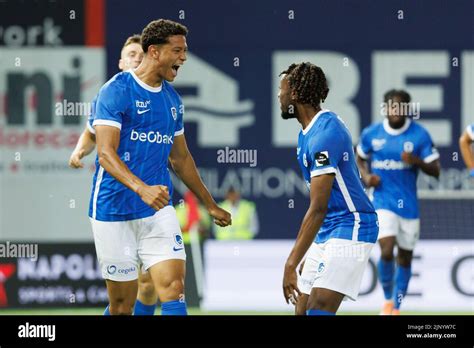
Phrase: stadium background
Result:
[68,49]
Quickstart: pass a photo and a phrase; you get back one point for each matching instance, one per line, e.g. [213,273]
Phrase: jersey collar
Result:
[144,85]
[393,131]
[313,121]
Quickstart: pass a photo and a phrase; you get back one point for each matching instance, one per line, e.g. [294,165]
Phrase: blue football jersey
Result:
[90,118]
[325,146]
[470,131]
[148,118]
[383,147]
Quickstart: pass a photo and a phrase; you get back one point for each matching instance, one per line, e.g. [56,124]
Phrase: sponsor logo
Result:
[111,269]
[142,104]
[151,137]
[142,111]
[305,161]
[378,144]
[390,165]
[321,158]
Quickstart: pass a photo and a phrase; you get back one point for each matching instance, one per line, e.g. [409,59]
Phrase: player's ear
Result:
[120,64]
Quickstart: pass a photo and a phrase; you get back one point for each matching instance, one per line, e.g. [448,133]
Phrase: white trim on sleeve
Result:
[430,158]
[361,152]
[107,123]
[318,172]
[90,128]
[179,132]
[470,132]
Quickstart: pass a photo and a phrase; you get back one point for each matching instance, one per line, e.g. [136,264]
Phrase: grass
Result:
[191,311]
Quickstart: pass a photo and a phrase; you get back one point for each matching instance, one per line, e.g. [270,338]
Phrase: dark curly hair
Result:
[403,95]
[308,83]
[157,32]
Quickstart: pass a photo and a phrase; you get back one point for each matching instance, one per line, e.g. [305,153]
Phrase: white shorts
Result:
[337,264]
[407,231]
[122,246]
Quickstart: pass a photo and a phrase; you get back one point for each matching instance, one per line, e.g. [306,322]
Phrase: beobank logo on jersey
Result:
[151,137]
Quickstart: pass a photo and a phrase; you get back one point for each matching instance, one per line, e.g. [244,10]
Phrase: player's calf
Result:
[168,278]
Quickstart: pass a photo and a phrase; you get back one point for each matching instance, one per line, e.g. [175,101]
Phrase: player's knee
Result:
[120,306]
[404,258]
[172,290]
[147,290]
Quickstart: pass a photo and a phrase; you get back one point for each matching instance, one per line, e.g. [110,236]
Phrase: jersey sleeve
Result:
[179,121]
[470,131]
[428,152]
[110,106]
[90,119]
[325,154]
[364,148]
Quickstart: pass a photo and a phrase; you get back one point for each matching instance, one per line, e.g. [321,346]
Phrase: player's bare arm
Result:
[369,179]
[432,168]
[467,154]
[108,140]
[183,164]
[85,145]
[319,197]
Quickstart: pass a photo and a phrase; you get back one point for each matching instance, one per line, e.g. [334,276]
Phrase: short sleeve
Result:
[325,154]
[179,121]
[470,131]
[110,106]
[364,148]
[428,151]
[90,119]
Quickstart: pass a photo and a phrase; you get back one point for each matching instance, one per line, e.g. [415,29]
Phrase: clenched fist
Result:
[156,196]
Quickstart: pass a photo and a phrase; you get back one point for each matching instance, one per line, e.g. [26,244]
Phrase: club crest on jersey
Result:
[378,144]
[408,146]
[174,113]
[321,158]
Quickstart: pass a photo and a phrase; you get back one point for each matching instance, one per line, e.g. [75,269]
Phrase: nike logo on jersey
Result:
[177,249]
[142,111]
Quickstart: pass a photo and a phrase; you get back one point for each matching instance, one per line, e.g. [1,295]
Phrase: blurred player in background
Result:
[131,56]
[340,225]
[139,127]
[396,149]
[465,144]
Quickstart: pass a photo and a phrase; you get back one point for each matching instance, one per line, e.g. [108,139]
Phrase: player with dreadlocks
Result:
[340,226]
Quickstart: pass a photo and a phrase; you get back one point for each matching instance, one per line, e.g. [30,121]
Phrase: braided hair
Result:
[308,83]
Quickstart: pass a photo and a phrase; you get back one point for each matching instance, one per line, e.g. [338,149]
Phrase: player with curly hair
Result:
[340,226]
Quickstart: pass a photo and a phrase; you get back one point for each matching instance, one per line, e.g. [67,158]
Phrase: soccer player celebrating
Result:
[396,149]
[465,142]
[130,57]
[340,225]
[139,127]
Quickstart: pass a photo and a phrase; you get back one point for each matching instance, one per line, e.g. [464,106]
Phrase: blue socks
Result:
[143,309]
[402,277]
[107,312]
[176,307]
[386,270]
[318,312]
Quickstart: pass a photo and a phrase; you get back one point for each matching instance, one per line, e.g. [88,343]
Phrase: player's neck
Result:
[146,72]
[306,114]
